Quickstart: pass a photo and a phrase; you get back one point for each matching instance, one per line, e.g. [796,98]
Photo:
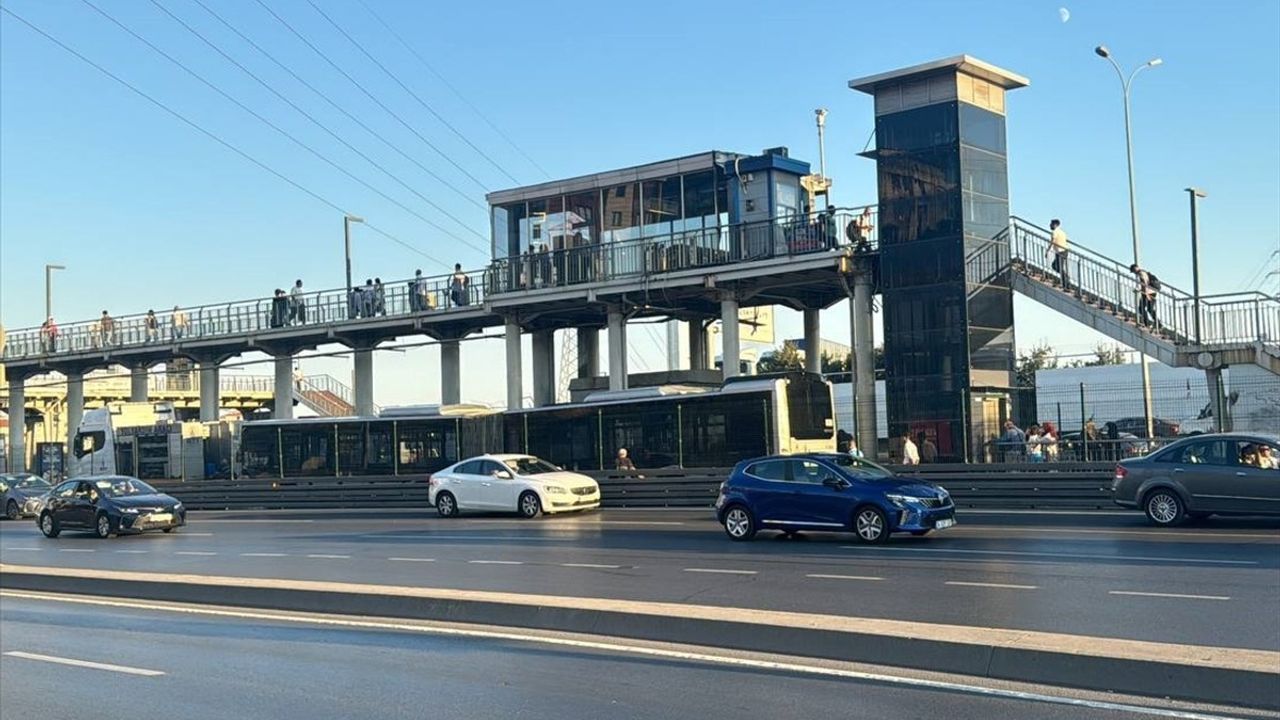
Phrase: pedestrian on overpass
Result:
[459,286]
[379,297]
[106,329]
[1059,252]
[152,326]
[179,320]
[1148,288]
[297,306]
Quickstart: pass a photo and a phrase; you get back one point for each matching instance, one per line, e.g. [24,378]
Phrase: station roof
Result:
[648,171]
[966,64]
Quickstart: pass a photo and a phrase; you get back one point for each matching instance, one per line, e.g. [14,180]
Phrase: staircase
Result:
[1234,329]
[327,396]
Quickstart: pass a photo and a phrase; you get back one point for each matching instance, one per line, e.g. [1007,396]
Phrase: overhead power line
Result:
[337,106]
[270,124]
[210,134]
[370,95]
[430,68]
[426,106]
[321,125]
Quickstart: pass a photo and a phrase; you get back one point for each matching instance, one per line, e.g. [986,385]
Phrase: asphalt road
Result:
[193,666]
[1215,583]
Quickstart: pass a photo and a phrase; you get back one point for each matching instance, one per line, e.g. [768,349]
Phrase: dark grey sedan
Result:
[16,492]
[1219,474]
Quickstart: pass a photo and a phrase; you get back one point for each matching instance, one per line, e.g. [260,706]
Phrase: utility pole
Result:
[1195,194]
[48,288]
[346,238]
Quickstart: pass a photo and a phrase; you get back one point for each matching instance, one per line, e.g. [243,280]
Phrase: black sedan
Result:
[110,505]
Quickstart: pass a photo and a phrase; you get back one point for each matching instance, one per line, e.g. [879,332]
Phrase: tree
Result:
[1041,357]
[1105,354]
[785,358]
[833,364]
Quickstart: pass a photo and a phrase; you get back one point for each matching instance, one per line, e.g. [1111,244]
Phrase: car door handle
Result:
[1241,473]
[1178,470]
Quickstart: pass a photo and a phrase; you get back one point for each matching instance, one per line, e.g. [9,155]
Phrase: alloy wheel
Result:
[1163,508]
[104,526]
[12,511]
[445,505]
[870,525]
[529,505]
[736,523]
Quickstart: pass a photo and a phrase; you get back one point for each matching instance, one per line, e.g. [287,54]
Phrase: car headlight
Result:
[177,508]
[904,500]
[129,511]
[556,490]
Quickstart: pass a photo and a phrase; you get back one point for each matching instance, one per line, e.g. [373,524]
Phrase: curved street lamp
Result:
[1125,84]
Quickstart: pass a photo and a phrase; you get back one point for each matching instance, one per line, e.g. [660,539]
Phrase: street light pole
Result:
[48,288]
[346,239]
[1196,194]
[1125,84]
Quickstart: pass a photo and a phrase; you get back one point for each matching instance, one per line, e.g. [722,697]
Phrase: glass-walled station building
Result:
[691,199]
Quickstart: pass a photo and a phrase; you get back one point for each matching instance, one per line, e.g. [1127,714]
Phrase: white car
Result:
[523,483]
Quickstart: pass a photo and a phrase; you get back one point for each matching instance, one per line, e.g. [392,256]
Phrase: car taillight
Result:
[431,481]
[1121,472]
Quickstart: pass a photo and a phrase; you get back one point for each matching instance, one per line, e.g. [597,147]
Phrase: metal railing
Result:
[687,249]
[815,233]
[327,395]
[1229,319]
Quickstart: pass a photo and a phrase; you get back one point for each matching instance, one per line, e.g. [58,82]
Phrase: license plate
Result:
[160,518]
[944,523]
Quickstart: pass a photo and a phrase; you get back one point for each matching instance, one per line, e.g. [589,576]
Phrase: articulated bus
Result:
[661,426]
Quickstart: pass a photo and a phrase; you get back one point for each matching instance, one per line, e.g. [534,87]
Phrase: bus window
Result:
[809,408]
[307,450]
[424,448]
[259,451]
[351,448]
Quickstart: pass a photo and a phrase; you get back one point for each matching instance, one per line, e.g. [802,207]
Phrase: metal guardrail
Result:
[410,297]
[1228,319]
[1053,486]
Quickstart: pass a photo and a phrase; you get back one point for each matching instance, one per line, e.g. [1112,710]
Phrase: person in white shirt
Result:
[910,454]
[1058,250]
[1035,444]
[297,306]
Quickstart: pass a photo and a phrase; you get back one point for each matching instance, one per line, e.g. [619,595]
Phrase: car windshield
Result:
[31,482]
[861,467]
[123,487]
[530,466]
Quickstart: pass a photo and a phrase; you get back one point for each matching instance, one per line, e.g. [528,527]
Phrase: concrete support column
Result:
[75,405]
[617,349]
[361,381]
[731,352]
[544,368]
[138,390]
[697,345]
[864,367]
[515,366]
[588,352]
[812,342]
[283,409]
[1218,400]
[17,425]
[210,384]
[450,372]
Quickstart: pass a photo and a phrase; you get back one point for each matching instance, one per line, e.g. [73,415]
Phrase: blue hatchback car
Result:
[830,492]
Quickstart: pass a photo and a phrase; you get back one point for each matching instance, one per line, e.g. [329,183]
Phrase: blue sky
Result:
[146,212]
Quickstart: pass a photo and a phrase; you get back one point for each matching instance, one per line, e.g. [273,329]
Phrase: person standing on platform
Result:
[910,454]
[297,306]
[106,329]
[831,228]
[1059,251]
[49,335]
[379,297]
[1012,442]
[928,451]
[366,298]
[459,286]
[179,321]
[152,326]
[624,460]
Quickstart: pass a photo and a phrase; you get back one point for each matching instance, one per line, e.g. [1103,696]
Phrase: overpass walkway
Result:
[1212,332]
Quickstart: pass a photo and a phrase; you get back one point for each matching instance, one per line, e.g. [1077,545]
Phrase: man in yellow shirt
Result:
[1058,249]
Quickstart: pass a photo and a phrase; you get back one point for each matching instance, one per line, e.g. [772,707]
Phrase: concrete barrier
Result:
[1197,673]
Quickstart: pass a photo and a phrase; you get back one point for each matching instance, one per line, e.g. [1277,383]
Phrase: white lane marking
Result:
[1018,553]
[992,585]
[591,565]
[495,562]
[410,559]
[720,571]
[971,529]
[184,533]
[263,554]
[322,556]
[76,550]
[84,663]
[1178,596]
[273,522]
[568,536]
[641,650]
[26,549]
[133,552]
[823,576]
[195,552]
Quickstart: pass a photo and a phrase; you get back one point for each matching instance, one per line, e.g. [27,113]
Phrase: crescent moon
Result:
[1064,13]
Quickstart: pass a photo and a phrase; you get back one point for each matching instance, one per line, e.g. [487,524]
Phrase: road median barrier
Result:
[1189,672]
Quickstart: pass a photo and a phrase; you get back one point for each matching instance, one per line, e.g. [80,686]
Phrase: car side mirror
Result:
[502,474]
[834,482]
